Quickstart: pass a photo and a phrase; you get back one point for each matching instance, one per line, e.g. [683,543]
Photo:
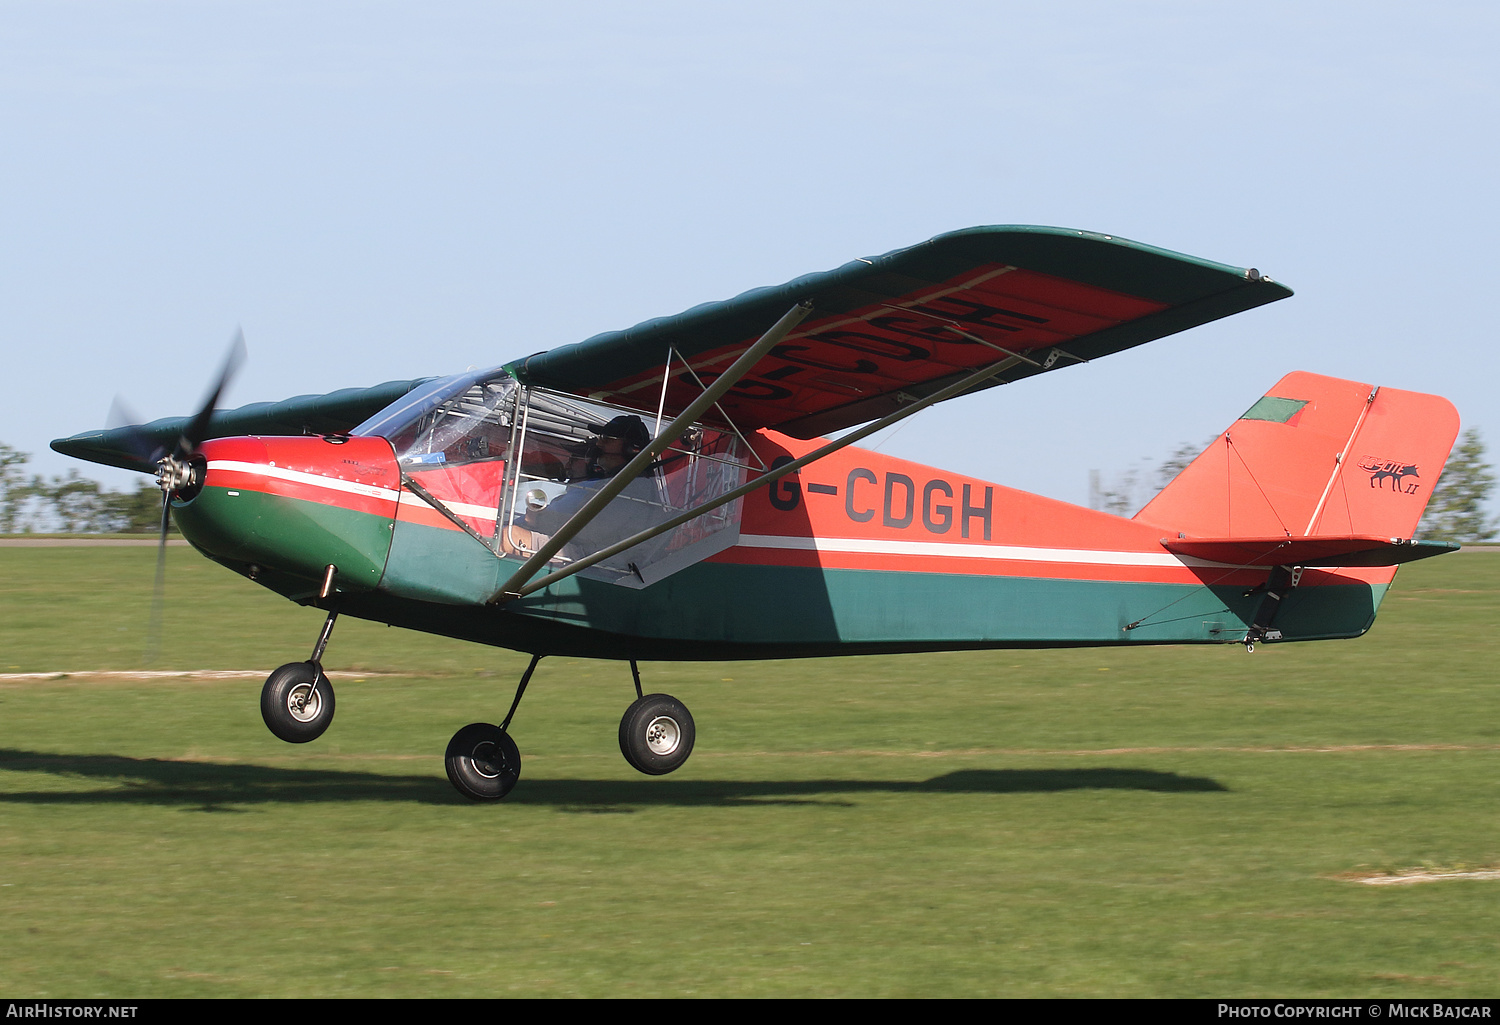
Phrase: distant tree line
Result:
[1127,492]
[1456,511]
[71,504]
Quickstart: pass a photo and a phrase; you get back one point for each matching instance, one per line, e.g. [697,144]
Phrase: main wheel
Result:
[656,734]
[297,702]
[483,763]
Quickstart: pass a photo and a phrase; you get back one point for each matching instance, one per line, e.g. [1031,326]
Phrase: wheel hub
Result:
[483,757]
[663,735]
[304,702]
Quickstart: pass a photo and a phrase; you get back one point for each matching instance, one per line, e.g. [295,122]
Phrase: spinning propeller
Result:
[178,472]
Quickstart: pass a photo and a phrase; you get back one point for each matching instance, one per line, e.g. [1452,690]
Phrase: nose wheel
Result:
[297,702]
[297,699]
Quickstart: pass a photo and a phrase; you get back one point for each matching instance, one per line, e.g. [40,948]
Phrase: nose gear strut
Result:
[297,699]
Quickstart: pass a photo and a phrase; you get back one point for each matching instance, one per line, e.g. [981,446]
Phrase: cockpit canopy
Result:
[512,465]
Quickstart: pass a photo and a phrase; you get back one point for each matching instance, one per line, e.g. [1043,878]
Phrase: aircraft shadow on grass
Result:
[205,786]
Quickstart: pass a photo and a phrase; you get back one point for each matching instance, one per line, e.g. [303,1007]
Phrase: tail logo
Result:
[1393,470]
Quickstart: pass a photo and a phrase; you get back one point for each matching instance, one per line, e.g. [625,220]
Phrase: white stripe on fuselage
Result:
[316,480]
[847,545]
[1014,553]
[478,512]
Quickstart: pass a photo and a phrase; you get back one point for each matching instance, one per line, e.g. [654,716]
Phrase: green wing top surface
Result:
[884,331]
[138,448]
[888,329]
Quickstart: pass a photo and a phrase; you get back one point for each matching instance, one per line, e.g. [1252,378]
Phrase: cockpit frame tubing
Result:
[511,481]
[666,379]
[646,456]
[688,367]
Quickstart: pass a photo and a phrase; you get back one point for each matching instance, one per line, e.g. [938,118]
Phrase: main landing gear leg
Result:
[656,732]
[297,699]
[482,760]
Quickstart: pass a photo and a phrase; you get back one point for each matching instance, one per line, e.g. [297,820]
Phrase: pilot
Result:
[633,510]
[616,444]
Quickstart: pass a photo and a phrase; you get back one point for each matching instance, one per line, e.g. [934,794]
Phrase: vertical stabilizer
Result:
[1315,456]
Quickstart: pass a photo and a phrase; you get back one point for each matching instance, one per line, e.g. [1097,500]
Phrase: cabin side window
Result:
[570,448]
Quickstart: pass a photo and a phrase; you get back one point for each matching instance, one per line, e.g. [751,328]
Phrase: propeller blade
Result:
[158,591]
[123,418]
[174,472]
[197,429]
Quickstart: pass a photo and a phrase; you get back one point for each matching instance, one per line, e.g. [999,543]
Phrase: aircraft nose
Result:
[281,510]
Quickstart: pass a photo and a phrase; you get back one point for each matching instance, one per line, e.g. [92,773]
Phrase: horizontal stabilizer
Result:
[1328,550]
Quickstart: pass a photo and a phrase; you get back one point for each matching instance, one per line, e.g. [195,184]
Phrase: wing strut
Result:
[646,456]
[509,593]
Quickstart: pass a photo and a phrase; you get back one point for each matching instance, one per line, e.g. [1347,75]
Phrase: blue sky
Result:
[391,190]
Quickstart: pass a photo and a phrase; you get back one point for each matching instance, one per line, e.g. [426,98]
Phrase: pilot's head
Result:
[616,444]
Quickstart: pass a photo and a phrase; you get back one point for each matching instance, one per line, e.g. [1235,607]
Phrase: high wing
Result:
[138,448]
[888,330]
[885,332]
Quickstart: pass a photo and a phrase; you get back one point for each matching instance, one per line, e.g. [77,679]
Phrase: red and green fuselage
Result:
[856,553]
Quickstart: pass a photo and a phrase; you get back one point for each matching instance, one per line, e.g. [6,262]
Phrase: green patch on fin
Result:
[1277,411]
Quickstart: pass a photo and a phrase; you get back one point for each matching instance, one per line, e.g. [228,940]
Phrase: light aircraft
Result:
[668,492]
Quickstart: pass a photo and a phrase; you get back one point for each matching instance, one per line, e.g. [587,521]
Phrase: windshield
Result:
[451,420]
[390,421]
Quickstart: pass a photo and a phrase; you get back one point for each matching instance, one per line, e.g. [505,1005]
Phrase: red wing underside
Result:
[932,334]
[891,329]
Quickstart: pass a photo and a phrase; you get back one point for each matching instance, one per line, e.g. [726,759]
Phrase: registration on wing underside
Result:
[888,330]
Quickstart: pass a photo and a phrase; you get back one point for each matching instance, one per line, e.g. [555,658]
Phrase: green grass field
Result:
[1147,822]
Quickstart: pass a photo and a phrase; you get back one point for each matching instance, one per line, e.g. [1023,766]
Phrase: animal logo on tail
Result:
[1394,470]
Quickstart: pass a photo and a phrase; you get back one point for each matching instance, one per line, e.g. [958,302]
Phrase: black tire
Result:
[656,734]
[297,702]
[483,763]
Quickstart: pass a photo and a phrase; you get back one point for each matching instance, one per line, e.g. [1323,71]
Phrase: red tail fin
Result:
[1317,456]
